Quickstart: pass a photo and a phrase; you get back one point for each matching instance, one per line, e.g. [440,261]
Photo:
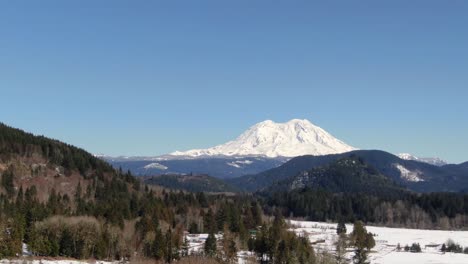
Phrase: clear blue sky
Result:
[151,77]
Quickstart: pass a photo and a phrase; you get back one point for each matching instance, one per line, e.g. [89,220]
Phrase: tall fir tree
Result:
[210,245]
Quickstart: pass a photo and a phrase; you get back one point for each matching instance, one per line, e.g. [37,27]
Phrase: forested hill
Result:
[27,160]
[190,182]
[350,189]
[16,143]
[63,202]
[417,176]
[346,175]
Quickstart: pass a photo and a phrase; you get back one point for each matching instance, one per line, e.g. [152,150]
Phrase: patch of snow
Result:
[432,161]
[239,163]
[156,165]
[233,164]
[25,250]
[246,162]
[270,139]
[196,242]
[48,261]
[412,176]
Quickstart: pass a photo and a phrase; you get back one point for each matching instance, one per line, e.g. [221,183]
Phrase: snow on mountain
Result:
[239,163]
[412,176]
[432,161]
[270,139]
[155,165]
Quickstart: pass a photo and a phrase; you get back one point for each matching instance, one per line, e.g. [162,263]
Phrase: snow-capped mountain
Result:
[432,161]
[270,139]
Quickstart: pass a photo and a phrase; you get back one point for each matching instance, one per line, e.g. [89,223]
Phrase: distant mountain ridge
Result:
[227,167]
[415,175]
[191,183]
[345,175]
[433,161]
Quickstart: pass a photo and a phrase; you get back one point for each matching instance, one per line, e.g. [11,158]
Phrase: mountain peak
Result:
[296,137]
[296,120]
[432,161]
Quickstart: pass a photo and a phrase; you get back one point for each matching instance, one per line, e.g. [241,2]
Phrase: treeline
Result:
[271,243]
[109,214]
[275,244]
[191,183]
[112,201]
[113,218]
[429,210]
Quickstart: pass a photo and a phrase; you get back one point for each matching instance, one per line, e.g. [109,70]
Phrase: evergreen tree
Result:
[169,246]
[193,229]
[341,228]
[66,244]
[282,255]
[209,224]
[251,244]
[363,242]
[158,245]
[210,245]
[221,218]
[415,248]
[7,182]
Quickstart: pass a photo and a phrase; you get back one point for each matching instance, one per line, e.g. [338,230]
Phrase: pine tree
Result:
[341,228]
[363,242]
[282,254]
[7,182]
[66,244]
[209,224]
[169,246]
[193,229]
[221,218]
[158,245]
[210,245]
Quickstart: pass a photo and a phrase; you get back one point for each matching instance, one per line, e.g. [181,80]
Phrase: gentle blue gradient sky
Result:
[151,77]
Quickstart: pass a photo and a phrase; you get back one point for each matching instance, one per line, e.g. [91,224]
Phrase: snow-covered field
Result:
[387,239]
[196,243]
[42,261]
[27,259]
[323,236]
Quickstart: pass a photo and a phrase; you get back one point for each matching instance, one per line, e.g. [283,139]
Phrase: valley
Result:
[65,203]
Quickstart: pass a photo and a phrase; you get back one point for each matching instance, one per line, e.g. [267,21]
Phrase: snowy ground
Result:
[196,242]
[29,260]
[42,261]
[324,235]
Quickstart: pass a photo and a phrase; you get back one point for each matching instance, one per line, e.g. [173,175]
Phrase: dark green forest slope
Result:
[54,196]
[448,178]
